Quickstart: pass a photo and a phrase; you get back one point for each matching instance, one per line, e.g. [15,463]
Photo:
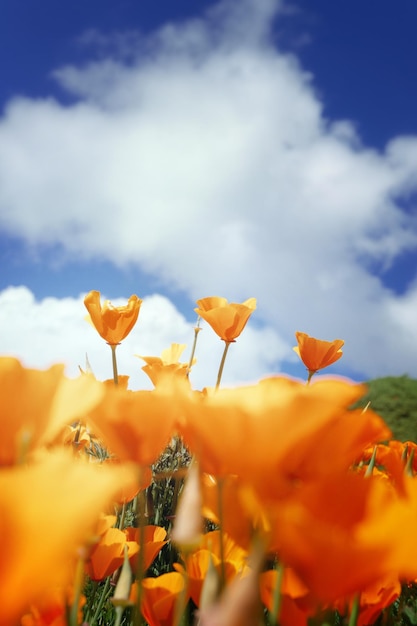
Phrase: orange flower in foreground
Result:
[37,404]
[49,512]
[136,425]
[226,319]
[112,323]
[278,431]
[316,353]
[341,535]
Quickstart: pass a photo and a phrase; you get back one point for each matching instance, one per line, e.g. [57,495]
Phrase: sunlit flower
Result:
[226,319]
[112,323]
[317,354]
[37,404]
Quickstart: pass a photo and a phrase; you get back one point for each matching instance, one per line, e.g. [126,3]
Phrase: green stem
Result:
[277,596]
[140,566]
[310,375]
[219,375]
[103,597]
[354,612]
[113,347]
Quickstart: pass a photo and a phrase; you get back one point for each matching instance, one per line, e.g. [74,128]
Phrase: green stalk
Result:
[103,597]
[277,597]
[222,362]
[140,567]
[354,612]
[113,347]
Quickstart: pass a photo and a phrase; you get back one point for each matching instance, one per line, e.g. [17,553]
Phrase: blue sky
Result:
[177,150]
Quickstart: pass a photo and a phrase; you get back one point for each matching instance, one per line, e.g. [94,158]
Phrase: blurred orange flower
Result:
[54,612]
[37,404]
[135,425]
[316,353]
[49,513]
[226,319]
[273,434]
[340,534]
[296,603]
[112,323]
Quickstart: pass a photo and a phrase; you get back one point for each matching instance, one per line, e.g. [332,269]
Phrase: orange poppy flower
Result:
[167,365]
[162,597]
[240,603]
[226,319]
[340,534]
[135,425]
[316,353]
[53,612]
[278,431]
[202,564]
[112,323]
[49,511]
[108,554]
[154,538]
[296,604]
[37,404]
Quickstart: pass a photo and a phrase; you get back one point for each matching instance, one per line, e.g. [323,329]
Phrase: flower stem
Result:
[197,329]
[103,596]
[310,375]
[222,362]
[113,347]
[277,595]
[140,564]
[78,585]
[354,611]
[221,533]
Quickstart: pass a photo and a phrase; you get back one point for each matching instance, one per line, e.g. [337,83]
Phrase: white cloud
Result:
[206,159]
[54,330]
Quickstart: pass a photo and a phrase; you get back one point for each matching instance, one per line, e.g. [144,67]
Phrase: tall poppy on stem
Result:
[112,323]
[226,319]
[317,354]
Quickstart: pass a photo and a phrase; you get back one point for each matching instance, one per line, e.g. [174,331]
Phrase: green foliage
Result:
[394,398]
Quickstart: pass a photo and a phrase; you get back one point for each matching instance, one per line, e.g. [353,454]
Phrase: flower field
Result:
[271,503]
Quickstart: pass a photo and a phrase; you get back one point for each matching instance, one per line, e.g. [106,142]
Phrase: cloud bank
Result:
[201,154]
